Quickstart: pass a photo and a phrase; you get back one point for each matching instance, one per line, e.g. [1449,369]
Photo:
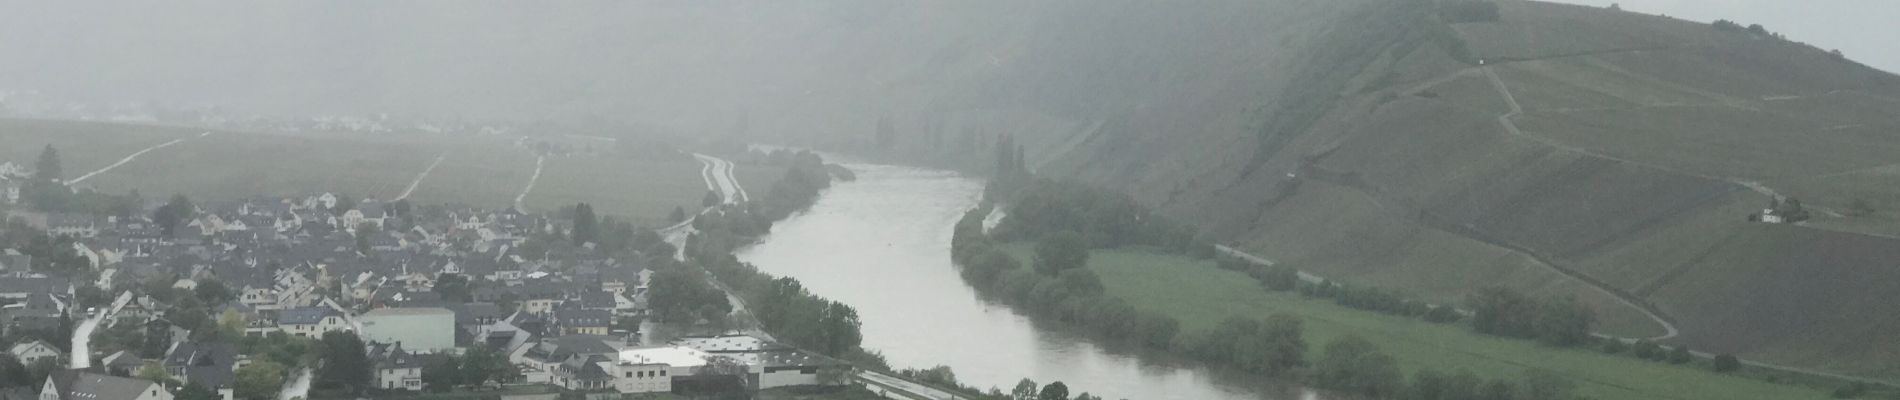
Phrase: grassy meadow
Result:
[1201,295]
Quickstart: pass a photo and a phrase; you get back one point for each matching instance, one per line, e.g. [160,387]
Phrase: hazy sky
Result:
[1863,29]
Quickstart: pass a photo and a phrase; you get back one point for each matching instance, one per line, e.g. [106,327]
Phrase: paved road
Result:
[82,335]
[298,387]
[127,159]
[892,387]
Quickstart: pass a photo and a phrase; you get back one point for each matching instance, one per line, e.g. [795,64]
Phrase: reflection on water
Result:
[882,244]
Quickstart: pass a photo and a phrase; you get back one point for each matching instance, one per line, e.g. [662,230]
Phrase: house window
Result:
[663,372]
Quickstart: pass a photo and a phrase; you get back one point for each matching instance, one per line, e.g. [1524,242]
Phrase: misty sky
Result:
[1863,29]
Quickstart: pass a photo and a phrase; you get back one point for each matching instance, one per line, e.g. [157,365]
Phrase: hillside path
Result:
[135,155]
[520,198]
[420,177]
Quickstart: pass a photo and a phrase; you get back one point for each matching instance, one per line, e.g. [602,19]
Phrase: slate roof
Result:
[206,364]
[304,315]
[81,385]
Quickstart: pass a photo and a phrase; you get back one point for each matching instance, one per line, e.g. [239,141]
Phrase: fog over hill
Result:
[1558,149]
[1861,28]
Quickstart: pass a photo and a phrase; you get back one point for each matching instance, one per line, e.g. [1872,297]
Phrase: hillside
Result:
[1595,152]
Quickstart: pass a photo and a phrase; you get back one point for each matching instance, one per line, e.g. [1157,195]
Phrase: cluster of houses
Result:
[297,267]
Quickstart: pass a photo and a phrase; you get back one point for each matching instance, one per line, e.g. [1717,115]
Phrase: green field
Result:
[1200,296]
[644,189]
[483,171]
[82,146]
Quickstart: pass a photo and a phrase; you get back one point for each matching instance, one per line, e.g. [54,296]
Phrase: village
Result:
[181,299]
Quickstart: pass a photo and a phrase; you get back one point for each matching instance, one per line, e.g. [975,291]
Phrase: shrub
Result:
[1727,363]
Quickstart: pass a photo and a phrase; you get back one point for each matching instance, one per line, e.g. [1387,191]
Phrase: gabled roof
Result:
[206,364]
[304,315]
[387,356]
[81,385]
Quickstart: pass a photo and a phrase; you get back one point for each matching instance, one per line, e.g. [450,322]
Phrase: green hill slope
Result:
[1610,155]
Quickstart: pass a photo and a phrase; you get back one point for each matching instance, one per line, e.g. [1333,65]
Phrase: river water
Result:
[882,245]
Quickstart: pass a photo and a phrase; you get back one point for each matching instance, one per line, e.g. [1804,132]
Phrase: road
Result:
[127,159]
[520,204]
[719,176]
[420,177]
[890,386]
[298,387]
[82,335]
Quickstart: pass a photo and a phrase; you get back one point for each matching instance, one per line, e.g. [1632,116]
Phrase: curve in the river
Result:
[882,244]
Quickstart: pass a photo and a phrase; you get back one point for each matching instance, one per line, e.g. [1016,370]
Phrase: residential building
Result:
[420,329]
[76,384]
[33,351]
[395,368]
[310,322]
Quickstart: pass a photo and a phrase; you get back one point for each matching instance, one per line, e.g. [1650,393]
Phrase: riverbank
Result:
[1201,295]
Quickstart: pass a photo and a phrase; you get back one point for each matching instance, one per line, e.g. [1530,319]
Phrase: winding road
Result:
[82,335]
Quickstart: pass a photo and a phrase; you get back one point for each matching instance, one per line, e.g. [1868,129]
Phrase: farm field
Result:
[645,190]
[1200,296]
[82,147]
[232,166]
[483,171]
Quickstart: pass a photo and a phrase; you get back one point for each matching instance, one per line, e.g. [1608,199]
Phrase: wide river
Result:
[882,245]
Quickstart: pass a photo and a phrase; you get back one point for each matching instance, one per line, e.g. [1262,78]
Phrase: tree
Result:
[261,380]
[48,168]
[1680,355]
[193,391]
[175,212]
[154,372]
[212,291]
[343,204]
[1503,312]
[1061,251]
[1054,391]
[441,373]
[712,198]
[678,215]
[345,362]
[1087,396]
[1354,365]
[586,225]
[453,288]
[1564,322]
[13,373]
[363,232]
[1727,363]
[1025,390]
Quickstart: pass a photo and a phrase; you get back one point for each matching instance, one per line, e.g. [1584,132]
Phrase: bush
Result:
[1614,346]
[1680,355]
[1442,314]
[1727,363]
[1850,391]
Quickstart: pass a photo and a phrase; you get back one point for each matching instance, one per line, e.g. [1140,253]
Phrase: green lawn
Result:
[237,165]
[1201,295]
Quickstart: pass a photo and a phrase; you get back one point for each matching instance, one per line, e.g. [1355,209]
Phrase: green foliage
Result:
[14,374]
[193,391]
[260,380]
[453,288]
[712,199]
[586,225]
[441,373]
[678,215]
[1681,355]
[345,364]
[1727,363]
[1504,312]
[796,316]
[1354,365]
[1024,390]
[1060,252]
[1104,219]
[173,213]
[213,291]
[683,295]
[1054,391]
[1273,347]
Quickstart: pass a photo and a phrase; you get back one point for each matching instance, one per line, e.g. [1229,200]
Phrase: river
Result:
[882,245]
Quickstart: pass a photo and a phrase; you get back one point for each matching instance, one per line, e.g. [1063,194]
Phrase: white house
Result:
[310,322]
[420,329]
[33,351]
[395,367]
[75,384]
